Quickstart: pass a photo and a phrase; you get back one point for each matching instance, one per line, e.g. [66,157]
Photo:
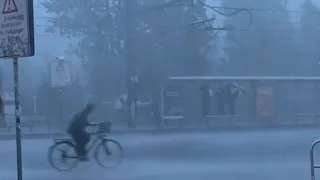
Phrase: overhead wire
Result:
[203,22]
[278,31]
[237,11]
[275,27]
[267,10]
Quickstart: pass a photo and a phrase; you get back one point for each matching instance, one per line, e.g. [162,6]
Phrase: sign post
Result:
[60,78]
[133,98]
[17,40]
[17,114]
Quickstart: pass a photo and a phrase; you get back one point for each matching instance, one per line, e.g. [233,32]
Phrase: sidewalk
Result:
[151,130]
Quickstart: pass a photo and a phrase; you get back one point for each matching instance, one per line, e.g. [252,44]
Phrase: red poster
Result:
[265,101]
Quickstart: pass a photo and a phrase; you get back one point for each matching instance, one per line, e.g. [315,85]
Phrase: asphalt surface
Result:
[263,155]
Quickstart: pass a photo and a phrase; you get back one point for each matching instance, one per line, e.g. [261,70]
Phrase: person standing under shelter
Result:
[233,91]
[220,95]
[206,94]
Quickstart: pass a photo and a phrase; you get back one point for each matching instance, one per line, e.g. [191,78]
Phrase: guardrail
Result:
[29,123]
[312,163]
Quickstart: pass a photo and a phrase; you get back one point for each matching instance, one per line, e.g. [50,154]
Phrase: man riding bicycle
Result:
[77,130]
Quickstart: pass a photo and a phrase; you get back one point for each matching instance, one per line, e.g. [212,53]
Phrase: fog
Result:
[195,89]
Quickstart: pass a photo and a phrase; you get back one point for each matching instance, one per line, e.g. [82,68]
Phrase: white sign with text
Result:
[16,28]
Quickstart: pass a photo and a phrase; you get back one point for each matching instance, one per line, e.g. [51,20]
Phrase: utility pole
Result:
[131,67]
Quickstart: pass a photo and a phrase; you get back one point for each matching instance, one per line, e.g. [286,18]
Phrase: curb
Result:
[154,131]
[217,129]
[32,136]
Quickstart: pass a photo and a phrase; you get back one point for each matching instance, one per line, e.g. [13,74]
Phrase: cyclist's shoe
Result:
[83,158]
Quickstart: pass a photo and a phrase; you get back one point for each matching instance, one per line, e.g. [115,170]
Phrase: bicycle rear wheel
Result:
[66,155]
[110,150]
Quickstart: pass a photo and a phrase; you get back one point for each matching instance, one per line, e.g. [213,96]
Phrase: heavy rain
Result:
[159,89]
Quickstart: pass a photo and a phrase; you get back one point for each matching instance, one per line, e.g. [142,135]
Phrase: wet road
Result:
[262,155]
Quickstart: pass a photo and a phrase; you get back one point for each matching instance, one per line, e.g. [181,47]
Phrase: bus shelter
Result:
[240,101]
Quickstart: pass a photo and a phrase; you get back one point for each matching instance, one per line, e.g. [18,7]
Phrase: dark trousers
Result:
[232,105]
[221,107]
[205,106]
[81,139]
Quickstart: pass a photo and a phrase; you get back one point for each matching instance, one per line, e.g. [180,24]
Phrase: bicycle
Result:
[99,142]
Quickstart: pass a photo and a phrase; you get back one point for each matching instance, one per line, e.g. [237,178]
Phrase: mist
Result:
[192,89]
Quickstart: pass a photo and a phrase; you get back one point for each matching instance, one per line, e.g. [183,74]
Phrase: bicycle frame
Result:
[94,142]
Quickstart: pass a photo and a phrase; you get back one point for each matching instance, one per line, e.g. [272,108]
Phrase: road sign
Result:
[60,67]
[60,74]
[9,7]
[16,28]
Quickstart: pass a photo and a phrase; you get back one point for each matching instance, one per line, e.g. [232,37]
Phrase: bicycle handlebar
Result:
[104,127]
[94,123]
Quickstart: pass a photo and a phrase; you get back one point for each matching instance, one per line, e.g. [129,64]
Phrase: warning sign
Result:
[16,28]
[60,74]
[265,101]
[9,7]
[60,67]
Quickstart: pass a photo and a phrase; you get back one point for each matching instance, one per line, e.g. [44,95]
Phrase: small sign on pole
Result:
[60,74]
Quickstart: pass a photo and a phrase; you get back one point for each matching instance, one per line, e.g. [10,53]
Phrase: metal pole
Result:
[35,105]
[17,114]
[162,106]
[312,164]
[60,108]
[130,64]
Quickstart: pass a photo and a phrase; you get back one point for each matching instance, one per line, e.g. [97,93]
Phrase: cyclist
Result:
[78,133]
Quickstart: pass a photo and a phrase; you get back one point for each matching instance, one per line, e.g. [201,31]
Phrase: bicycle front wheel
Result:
[109,153]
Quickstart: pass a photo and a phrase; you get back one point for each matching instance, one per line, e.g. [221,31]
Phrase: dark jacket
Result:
[79,123]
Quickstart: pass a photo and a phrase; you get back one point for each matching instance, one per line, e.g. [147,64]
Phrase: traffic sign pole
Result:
[60,79]
[61,107]
[17,114]
[131,67]
[19,42]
